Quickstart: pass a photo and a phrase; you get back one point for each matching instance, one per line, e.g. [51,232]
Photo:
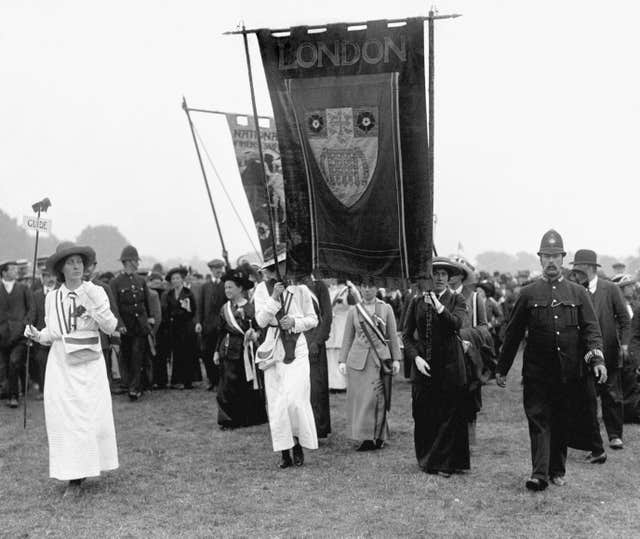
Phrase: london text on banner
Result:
[350,112]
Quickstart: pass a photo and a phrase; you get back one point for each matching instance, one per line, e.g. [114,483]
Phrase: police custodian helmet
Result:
[551,244]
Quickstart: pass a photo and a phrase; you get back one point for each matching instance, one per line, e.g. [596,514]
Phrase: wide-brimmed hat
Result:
[551,244]
[450,266]
[625,280]
[585,256]
[66,249]
[238,276]
[488,287]
[178,269]
[269,260]
[5,263]
[129,253]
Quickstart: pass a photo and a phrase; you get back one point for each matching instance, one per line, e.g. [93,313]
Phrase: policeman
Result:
[563,345]
[132,302]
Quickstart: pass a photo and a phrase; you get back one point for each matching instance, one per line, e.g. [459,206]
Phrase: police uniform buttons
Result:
[558,348]
[556,316]
[553,287]
[557,333]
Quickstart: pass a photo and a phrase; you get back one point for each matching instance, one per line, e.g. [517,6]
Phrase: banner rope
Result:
[215,171]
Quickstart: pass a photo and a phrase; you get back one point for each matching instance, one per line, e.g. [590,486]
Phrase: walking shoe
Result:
[379,443]
[13,402]
[535,484]
[298,455]
[285,461]
[596,459]
[367,445]
[559,481]
[616,443]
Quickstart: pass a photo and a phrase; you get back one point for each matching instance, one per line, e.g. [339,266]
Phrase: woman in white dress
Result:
[77,399]
[287,312]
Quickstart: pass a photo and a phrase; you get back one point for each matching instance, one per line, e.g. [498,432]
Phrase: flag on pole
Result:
[245,144]
[350,111]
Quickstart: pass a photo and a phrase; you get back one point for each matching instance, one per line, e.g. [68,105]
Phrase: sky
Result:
[537,115]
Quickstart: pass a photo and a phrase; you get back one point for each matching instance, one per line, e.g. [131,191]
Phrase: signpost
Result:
[37,224]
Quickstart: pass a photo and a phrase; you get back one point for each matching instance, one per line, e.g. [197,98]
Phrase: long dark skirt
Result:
[319,374]
[185,366]
[239,405]
[441,435]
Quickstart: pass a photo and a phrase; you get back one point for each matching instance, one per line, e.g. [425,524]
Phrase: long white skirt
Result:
[79,418]
[288,390]
[336,380]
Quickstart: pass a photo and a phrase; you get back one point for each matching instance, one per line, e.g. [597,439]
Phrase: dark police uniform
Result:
[563,343]
[132,303]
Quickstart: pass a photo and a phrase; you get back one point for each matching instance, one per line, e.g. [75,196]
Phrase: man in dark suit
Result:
[16,311]
[209,301]
[615,325]
[563,344]
[40,351]
[318,367]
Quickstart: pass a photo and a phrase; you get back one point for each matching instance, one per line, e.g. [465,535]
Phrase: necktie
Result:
[73,318]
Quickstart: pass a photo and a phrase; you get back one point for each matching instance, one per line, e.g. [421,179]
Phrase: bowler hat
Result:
[585,256]
[551,244]
[66,249]
[129,253]
[238,276]
[178,269]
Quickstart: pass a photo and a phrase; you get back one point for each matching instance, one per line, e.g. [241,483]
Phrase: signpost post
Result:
[40,226]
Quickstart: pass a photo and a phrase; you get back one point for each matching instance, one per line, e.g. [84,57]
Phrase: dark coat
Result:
[210,300]
[562,327]
[132,303]
[16,311]
[614,320]
[38,305]
[447,357]
[317,336]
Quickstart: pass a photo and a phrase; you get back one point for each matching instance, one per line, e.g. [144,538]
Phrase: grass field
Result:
[180,476]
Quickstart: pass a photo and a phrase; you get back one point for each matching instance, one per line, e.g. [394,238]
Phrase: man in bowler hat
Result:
[564,345]
[615,325]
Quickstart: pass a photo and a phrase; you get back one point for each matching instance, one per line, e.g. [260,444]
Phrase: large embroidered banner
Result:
[350,112]
[245,144]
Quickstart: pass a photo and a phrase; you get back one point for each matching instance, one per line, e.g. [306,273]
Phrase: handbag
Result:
[265,355]
[79,346]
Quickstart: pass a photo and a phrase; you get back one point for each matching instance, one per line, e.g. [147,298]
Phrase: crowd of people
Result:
[274,346]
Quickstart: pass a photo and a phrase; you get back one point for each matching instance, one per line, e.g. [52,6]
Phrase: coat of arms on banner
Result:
[344,142]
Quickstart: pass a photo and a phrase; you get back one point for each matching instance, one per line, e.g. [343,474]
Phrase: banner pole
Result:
[259,139]
[431,120]
[225,255]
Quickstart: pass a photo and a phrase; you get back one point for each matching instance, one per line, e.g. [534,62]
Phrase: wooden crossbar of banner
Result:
[430,17]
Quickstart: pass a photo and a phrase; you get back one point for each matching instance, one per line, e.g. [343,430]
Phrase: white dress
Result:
[334,342]
[288,386]
[77,399]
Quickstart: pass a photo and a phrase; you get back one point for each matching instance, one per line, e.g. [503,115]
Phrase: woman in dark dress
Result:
[439,376]
[240,401]
[178,311]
